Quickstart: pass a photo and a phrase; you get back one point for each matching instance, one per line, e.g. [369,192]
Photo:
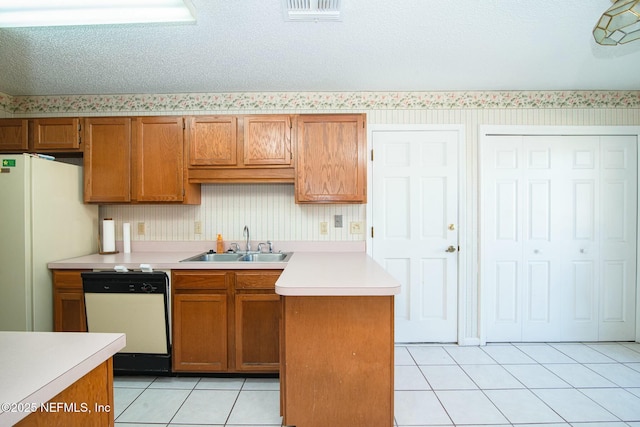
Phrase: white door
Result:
[415,224]
[558,221]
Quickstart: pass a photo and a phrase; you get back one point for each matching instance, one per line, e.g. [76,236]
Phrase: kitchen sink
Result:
[214,257]
[239,257]
[260,257]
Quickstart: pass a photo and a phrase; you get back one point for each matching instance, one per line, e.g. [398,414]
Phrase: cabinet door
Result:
[55,134]
[257,332]
[199,332]
[158,159]
[267,140]
[13,135]
[68,301]
[331,159]
[212,140]
[69,311]
[107,159]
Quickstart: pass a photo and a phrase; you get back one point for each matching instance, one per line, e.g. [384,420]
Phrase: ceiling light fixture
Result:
[47,13]
[619,24]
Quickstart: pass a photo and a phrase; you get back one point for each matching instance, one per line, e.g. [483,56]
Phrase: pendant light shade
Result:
[619,24]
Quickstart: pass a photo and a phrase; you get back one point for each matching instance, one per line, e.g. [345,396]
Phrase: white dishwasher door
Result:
[138,315]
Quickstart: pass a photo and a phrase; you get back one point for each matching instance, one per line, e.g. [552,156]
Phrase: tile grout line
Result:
[183,402]
[137,397]
[235,401]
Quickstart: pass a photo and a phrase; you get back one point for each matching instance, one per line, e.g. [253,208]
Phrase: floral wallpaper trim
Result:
[320,101]
[6,102]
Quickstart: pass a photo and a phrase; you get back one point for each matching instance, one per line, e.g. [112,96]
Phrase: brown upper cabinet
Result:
[61,134]
[107,160]
[159,173]
[57,134]
[14,134]
[331,162]
[212,140]
[253,148]
[267,141]
[136,159]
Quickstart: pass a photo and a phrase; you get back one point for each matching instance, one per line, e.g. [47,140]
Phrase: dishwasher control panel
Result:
[137,282]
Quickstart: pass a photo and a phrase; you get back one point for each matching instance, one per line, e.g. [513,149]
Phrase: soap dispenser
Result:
[219,244]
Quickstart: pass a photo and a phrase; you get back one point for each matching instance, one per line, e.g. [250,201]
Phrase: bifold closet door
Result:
[558,233]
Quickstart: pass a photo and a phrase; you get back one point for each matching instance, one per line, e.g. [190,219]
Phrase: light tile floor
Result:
[555,384]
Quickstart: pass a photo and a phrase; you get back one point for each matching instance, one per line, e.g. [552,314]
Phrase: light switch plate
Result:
[324,228]
[337,221]
[356,227]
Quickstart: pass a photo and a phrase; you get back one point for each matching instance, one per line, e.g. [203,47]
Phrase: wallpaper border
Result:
[318,101]
[6,102]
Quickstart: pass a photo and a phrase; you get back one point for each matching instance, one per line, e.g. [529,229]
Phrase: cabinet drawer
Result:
[199,279]
[257,279]
[68,279]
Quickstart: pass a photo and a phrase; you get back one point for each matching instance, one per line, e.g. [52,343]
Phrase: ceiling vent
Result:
[312,10]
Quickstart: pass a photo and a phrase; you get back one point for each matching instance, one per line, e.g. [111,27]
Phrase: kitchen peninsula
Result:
[336,328]
[337,341]
[57,378]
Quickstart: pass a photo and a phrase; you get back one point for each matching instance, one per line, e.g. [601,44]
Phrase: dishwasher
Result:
[135,303]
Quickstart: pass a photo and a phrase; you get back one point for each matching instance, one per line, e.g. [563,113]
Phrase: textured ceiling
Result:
[404,45]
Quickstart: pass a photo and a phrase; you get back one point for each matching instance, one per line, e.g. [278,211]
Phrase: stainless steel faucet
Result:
[269,243]
[245,234]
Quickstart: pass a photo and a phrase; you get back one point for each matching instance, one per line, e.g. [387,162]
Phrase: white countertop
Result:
[313,269]
[36,366]
[157,261]
[167,256]
[335,274]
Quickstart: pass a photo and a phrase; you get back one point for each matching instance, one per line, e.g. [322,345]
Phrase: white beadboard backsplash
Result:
[269,210]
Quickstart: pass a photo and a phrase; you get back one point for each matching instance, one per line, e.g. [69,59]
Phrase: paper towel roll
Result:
[108,235]
[126,237]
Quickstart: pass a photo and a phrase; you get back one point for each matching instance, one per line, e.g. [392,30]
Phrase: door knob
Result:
[451,249]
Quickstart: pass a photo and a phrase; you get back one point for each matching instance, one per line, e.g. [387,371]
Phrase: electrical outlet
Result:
[356,227]
[141,228]
[337,221]
[197,227]
[324,228]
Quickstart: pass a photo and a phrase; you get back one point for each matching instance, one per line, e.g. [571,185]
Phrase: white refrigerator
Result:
[42,219]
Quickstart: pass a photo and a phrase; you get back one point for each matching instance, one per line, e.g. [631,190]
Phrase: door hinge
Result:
[372,232]
[372,155]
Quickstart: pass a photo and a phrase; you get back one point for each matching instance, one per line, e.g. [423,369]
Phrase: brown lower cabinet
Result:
[95,390]
[68,301]
[337,361]
[222,320]
[225,321]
